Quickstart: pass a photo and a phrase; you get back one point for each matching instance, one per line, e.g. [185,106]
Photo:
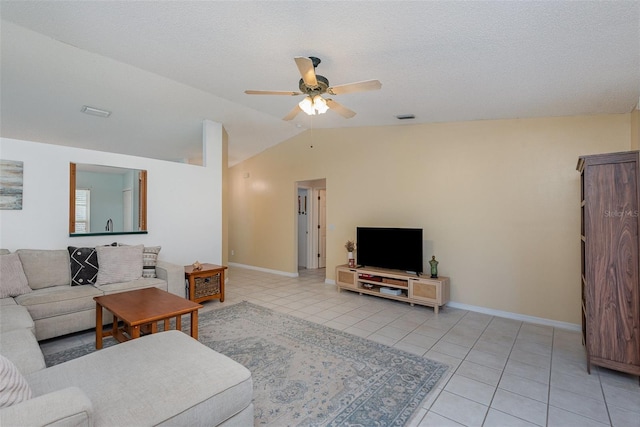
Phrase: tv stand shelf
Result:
[394,284]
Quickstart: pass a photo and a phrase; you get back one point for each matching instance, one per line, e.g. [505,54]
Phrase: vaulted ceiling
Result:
[162,68]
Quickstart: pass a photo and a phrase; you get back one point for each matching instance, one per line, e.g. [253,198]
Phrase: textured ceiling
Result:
[163,67]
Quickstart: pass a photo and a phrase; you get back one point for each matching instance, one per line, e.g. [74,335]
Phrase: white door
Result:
[303,228]
[322,228]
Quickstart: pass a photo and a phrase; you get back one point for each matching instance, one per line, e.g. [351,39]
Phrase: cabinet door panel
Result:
[612,271]
[347,277]
[425,291]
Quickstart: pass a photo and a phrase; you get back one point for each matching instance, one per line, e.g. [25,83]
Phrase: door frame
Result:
[309,214]
[312,224]
[315,228]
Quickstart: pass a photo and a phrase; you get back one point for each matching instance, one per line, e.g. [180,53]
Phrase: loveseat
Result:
[165,378]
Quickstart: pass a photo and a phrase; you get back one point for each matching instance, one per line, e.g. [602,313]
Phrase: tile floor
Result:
[503,372]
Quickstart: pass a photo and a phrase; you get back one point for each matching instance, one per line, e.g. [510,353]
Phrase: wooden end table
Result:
[206,283]
[143,308]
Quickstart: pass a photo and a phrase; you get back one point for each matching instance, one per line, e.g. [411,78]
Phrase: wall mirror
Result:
[106,200]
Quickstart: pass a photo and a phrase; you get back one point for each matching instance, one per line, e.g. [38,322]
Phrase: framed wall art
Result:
[11,184]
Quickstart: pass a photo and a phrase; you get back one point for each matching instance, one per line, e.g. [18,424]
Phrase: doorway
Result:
[311,227]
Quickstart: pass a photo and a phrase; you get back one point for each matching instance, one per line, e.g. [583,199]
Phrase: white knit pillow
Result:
[13,387]
[13,281]
[119,264]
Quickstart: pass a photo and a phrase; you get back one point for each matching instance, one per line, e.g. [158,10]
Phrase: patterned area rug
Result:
[306,374]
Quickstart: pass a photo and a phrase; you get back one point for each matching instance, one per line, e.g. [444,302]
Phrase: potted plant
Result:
[350,246]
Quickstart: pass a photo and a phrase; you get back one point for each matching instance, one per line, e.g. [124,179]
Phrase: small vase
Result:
[352,261]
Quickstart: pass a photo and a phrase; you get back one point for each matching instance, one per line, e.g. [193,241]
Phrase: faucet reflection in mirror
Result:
[100,195]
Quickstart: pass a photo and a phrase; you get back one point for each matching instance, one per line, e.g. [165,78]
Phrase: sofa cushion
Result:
[14,317]
[141,283]
[13,387]
[21,347]
[84,265]
[67,407]
[45,268]
[206,387]
[150,260]
[7,301]
[13,282]
[4,251]
[119,263]
[59,300]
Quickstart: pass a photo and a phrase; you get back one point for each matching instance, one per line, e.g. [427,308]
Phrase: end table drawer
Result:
[207,286]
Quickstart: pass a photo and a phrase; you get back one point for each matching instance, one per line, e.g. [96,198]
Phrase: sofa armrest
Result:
[174,275]
[61,408]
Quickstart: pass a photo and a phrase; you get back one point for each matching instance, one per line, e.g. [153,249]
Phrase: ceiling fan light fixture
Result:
[306,105]
[319,104]
[313,106]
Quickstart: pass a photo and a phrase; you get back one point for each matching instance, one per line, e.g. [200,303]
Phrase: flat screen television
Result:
[393,248]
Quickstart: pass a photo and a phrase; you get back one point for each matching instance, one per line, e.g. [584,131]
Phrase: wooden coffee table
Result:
[143,308]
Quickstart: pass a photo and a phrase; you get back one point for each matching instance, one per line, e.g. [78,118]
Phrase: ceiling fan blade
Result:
[307,71]
[271,92]
[355,87]
[292,113]
[340,109]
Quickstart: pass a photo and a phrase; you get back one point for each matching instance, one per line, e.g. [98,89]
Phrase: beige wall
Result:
[635,130]
[498,201]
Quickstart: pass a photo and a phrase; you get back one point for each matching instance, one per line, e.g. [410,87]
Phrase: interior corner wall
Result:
[225,198]
[498,201]
[635,130]
[183,202]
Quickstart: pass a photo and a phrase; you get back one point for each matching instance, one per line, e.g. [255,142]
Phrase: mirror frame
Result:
[142,213]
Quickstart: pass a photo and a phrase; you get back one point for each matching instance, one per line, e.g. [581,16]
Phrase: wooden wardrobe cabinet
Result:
[610,242]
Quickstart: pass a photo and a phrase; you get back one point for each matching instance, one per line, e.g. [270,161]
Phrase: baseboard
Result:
[516,316]
[452,304]
[505,314]
[264,270]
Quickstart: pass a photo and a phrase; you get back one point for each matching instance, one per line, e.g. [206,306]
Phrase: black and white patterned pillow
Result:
[150,260]
[84,265]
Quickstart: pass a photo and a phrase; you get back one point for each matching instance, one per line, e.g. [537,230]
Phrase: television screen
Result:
[393,248]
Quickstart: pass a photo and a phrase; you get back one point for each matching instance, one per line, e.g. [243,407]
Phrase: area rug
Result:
[306,374]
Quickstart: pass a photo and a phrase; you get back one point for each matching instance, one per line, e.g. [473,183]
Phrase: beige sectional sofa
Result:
[161,379]
[58,308]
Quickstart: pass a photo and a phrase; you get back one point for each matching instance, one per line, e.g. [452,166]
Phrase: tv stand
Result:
[394,284]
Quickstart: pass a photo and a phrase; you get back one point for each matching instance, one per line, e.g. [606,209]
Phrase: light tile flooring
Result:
[502,372]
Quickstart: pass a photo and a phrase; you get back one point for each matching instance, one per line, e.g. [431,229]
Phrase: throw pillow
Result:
[119,264]
[13,387]
[13,281]
[149,261]
[84,265]
[45,268]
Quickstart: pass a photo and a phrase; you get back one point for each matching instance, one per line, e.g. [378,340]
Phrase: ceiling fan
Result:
[314,86]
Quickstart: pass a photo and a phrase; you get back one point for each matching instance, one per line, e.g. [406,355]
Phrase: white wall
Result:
[184,201]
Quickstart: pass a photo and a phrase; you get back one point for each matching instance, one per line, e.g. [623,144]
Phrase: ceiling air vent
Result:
[95,111]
